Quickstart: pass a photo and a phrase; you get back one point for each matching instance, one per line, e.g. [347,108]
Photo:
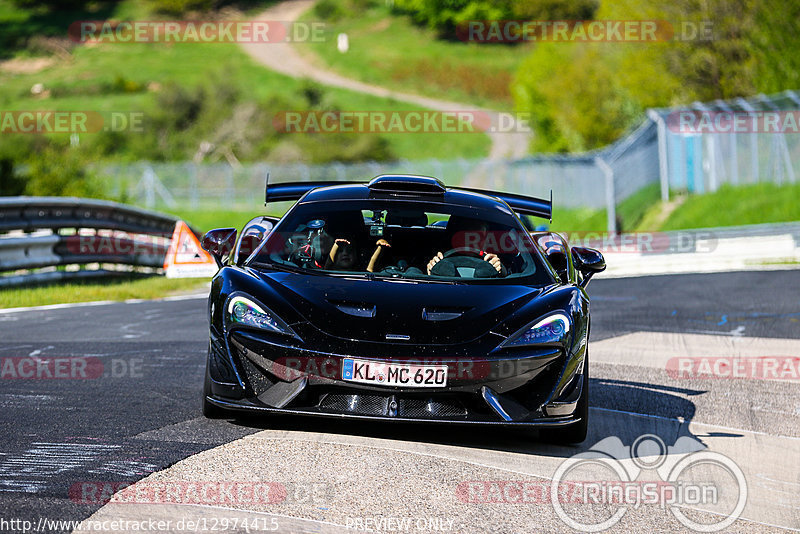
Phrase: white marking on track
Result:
[13,400]
[30,470]
[37,352]
[124,468]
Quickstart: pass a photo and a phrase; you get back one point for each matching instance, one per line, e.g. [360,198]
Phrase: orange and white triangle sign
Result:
[185,257]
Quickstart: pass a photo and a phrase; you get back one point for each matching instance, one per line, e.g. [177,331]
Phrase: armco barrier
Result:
[51,232]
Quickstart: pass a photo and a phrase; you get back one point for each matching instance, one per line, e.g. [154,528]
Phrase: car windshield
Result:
[404,239]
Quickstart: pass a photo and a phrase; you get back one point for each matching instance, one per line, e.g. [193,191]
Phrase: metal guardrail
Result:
[50,232]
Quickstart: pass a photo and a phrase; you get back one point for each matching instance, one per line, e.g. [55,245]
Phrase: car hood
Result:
[399,311]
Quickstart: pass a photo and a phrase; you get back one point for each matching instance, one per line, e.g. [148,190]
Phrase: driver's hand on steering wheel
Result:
[491,258]
[436,259]
[494,260]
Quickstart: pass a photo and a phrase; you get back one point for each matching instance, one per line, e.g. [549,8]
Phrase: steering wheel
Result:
[456,260]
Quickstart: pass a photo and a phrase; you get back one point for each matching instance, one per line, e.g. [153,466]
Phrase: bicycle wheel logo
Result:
[704,490]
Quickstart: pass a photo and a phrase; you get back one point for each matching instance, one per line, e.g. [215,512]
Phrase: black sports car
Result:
[402,300]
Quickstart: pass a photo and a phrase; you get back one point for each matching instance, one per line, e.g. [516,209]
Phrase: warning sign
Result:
[186,258]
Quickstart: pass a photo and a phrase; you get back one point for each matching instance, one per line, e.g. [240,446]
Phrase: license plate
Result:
[393,374]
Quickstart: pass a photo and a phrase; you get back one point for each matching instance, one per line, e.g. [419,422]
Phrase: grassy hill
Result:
[390,50]
[160,80]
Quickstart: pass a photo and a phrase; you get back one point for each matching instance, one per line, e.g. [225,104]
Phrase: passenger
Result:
[343,255]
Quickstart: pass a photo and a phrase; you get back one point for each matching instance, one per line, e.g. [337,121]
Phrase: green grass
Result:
[578,220]
[631,212]
[729,206]
[149,287]
[208,220]
[390,51]
[633,209]
[191,65]
[735,206]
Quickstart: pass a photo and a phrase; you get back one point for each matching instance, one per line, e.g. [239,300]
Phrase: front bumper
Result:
[254,373]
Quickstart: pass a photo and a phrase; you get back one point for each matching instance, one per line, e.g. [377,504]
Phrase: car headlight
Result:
[551,329]
[243,311]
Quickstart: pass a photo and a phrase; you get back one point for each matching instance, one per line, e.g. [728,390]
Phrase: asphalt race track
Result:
[137,414]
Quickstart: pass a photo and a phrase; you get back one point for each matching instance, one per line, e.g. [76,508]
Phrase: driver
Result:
[456,225]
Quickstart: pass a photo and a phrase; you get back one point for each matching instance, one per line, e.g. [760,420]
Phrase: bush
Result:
[62,172]
[179,7]
[61,5]
[330,10]
[585,95]
[576,95]
[446,15]
[10,183]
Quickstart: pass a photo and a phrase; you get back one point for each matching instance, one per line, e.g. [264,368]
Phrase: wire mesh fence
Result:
[695,149]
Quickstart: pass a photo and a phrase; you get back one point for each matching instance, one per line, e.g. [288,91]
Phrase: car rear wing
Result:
[523,205]
[293,191]
[411,185]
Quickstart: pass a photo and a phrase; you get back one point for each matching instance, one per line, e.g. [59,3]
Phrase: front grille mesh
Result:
[256,377]
[357,404]
[379,405]
[424,408]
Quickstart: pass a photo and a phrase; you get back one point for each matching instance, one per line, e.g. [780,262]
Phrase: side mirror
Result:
[219,243]
[588,261]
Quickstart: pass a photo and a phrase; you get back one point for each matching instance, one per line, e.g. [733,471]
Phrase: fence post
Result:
[611,208]
[732,141]
[754,166]
[149,187]
[193,192]
[663,174]
[711,148]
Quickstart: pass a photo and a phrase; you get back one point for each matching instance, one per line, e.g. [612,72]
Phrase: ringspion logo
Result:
[592,490]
